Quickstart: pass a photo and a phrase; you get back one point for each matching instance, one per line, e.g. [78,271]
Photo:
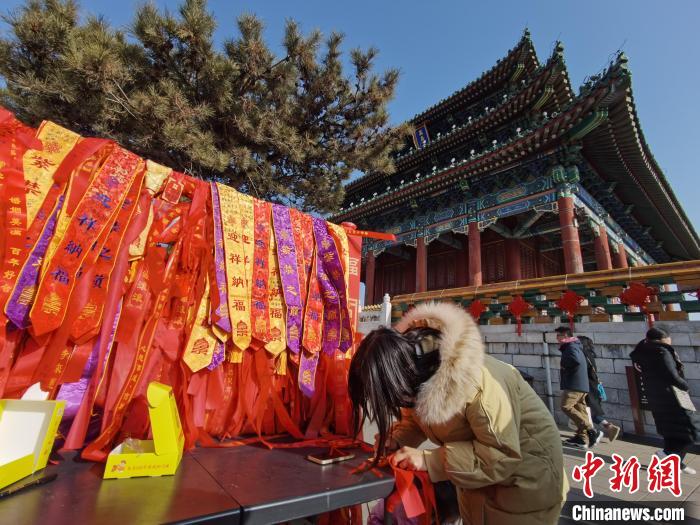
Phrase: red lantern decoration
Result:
[476,309]
[638,294]
[518,307]
[569,303]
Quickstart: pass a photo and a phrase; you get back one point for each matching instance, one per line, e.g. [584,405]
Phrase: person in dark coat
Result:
[593,399]
[574,385]
[661,370]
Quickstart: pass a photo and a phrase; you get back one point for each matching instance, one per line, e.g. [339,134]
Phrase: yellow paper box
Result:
[28,430]
[159,456]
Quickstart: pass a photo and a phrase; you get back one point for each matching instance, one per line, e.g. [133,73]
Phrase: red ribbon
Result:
[416,502]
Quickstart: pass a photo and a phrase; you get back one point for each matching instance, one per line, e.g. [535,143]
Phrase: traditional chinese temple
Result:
[515,176]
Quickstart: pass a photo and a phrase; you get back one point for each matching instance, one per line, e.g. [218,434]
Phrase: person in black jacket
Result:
[661,370]
[574,386]
[593,399]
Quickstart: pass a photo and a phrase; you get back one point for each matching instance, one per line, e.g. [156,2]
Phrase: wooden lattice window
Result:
[493,262]
[551,266]
[528,262]
[442,271]
[394,279]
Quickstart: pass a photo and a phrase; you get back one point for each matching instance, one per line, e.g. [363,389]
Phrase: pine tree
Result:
[289,128]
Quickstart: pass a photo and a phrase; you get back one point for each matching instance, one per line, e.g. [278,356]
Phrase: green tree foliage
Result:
[288,128]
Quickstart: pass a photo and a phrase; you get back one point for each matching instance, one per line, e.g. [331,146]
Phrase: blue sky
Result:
[441,45]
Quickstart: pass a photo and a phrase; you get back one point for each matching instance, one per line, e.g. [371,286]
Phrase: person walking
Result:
[573,380]
[498,444]
[594,399]
[662,373]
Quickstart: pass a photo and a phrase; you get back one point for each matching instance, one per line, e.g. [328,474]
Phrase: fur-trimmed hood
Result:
[461,358]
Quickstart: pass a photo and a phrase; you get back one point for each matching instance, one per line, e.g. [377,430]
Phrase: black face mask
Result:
[427,363]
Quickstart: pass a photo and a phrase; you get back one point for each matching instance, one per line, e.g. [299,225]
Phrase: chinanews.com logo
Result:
[601,514]
[662,475]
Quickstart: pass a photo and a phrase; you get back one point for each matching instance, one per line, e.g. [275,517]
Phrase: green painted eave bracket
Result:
[588,124]
[544,97]
[519,69]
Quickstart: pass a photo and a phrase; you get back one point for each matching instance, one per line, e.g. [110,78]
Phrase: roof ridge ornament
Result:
[557,51]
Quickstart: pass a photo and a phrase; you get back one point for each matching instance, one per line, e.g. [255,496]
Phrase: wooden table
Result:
[79,495]
[248,484]
[281,484]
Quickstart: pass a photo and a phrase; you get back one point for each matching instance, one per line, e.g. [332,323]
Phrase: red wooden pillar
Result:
[514,271]
[475,278]
[573,263]
[620,259]
[421,266]
[369,278]
[602,249]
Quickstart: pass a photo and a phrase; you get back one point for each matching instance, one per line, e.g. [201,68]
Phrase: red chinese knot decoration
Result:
[518,307]
[638,294]
[569,303]
[476,309]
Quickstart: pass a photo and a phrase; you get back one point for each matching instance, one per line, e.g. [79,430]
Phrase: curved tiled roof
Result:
[547,77]
[604,117]
[521,58]
[502,157]
[619,150]
[522,54]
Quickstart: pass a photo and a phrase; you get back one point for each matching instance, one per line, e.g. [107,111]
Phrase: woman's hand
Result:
[409,458]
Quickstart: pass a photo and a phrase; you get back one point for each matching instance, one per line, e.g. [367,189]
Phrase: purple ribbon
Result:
[223,322]
[333,267]
[331,301]
[18,307]
[307,369]
[73,393]
[218,356]
[289,274]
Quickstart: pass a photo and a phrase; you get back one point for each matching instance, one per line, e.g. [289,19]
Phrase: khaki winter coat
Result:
[499,444]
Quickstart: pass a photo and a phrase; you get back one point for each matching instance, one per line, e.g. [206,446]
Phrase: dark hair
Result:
[587,344]
[564,330]
[656,334]
[384,377]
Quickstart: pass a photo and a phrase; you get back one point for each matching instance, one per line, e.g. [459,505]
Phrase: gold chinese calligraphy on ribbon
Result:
[236,274]
[278,323]
[39,165]
[201,342]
